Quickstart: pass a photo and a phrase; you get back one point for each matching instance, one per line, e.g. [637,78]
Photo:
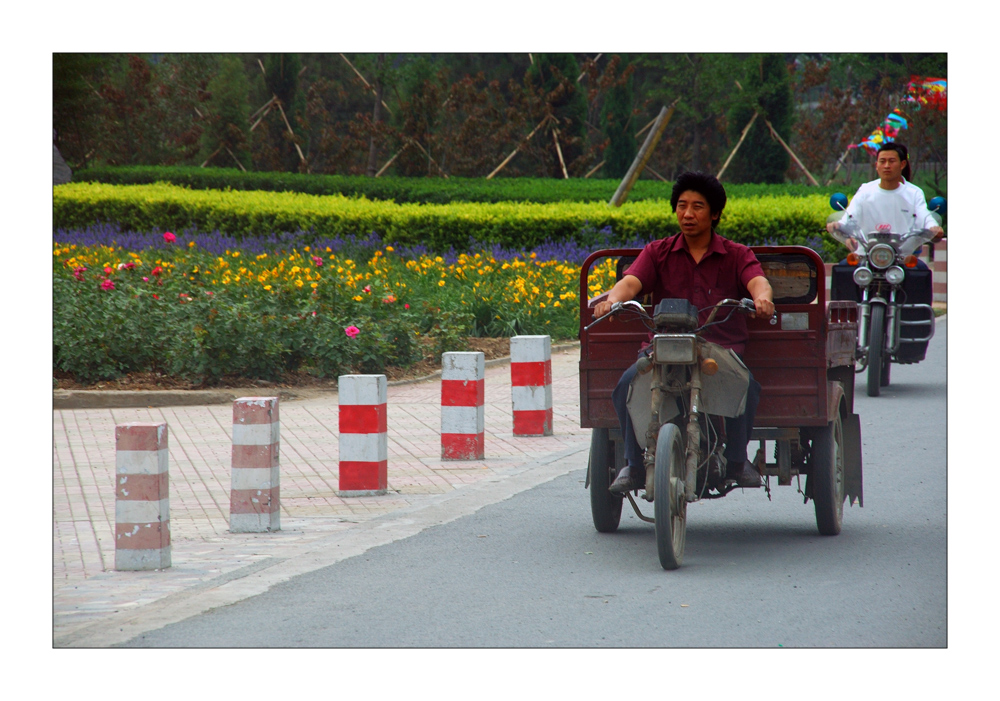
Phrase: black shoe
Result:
[744,473]
[629,479]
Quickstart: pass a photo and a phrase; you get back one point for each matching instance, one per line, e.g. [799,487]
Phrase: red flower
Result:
[107,285]
[108,270]
[78,272]
[156,296]
[406,306]
[368,289]
[157,270]
[169,238]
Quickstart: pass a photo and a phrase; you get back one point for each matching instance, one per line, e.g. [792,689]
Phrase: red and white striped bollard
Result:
[254,495]
[531,385]
[462,406]
[142,503]
[364,445]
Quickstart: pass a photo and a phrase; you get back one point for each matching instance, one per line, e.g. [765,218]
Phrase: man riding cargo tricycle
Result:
[715,370]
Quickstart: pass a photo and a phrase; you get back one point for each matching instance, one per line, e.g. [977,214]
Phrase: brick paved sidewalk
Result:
[85,585]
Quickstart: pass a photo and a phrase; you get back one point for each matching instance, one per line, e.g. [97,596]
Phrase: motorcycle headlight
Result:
[674,348]
[863,277]
[895,275]
[882,255]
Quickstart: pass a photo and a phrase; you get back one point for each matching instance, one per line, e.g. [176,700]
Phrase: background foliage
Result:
[462,114]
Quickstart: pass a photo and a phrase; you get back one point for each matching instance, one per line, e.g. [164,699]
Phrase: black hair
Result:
[705,185]
[900,151]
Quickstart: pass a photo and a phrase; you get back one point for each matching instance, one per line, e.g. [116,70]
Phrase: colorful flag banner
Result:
[927,92]
[894,123]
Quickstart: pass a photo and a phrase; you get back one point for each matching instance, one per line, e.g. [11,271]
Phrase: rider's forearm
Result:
[625,289]
[760,288]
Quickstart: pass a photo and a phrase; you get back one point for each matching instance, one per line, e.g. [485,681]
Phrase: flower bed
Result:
[204,306]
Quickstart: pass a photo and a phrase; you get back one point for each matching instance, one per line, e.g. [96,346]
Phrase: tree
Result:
[228,121]
[767,91]
[616,124]
[417,118]
[555,76]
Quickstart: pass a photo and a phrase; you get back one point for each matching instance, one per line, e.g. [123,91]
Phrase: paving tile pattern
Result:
[85,584]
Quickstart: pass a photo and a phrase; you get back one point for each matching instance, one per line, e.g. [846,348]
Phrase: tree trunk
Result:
[372,148]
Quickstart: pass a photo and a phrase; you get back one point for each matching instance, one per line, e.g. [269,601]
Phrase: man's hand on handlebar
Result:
[763,308]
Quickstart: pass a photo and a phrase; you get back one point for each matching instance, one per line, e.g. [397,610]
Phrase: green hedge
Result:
[148,207]
[425,190]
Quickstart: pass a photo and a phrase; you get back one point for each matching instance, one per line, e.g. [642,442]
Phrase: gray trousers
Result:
[737,429]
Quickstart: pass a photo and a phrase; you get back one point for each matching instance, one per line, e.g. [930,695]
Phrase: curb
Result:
[125,399]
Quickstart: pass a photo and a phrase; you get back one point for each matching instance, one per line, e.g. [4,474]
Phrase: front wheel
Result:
[876,345]
[669,501]
[605,507]
[827,476]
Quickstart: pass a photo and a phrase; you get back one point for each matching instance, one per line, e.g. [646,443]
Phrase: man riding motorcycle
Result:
[891,201]
[704,268]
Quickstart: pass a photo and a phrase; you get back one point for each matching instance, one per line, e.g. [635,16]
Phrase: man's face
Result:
[693,213]
[889,166]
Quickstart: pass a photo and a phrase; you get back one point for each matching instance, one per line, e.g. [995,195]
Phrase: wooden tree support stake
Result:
[236,159]
[585,72]
[594,169]
[429,157]
[266,112]
[641,158]
[389,162]
[514,152]
[367,84]
[278,103]
[791,153]
[211,157]
[555,137]
[840,162]
[643,130]
[656,175]
[265,106]
[738,144]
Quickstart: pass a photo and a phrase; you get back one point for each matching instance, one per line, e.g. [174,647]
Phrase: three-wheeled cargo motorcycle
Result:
[803,357]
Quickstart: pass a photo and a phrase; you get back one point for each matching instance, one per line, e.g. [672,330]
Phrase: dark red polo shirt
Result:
[666,268]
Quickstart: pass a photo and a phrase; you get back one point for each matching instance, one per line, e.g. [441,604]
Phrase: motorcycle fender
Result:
[853,483]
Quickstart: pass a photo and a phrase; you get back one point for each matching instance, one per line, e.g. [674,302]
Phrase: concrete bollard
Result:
[142,504]
[364,445]
[254,496]
[462,412]
[531,385]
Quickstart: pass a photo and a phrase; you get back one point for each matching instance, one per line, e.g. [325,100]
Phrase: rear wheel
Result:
[827,476]
[605,507]
[669,502]
[876,343]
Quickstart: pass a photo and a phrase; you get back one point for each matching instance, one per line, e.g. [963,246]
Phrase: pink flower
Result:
[406,306]
[389,300]
[129,265]
[314,313]
[352,331]
[169,238]
[107,285]
[78,272]
[317,261]
[108,270]
[145,279]
[368,289]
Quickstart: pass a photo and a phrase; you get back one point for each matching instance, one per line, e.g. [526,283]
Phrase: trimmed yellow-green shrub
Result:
[754,220]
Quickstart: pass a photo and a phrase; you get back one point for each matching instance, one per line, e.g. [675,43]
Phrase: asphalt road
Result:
[531,571]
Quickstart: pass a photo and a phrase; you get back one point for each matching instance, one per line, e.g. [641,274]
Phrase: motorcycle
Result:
[682,385]
[881,274]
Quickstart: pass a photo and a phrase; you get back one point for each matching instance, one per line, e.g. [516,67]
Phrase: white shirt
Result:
[902,209]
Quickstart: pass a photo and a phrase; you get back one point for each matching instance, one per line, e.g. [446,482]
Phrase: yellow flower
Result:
[390,249]
[314,285]
[440,283]
[557,304]
[190,244]
[358,298]
[267,287]
[541,305]
[236,254]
